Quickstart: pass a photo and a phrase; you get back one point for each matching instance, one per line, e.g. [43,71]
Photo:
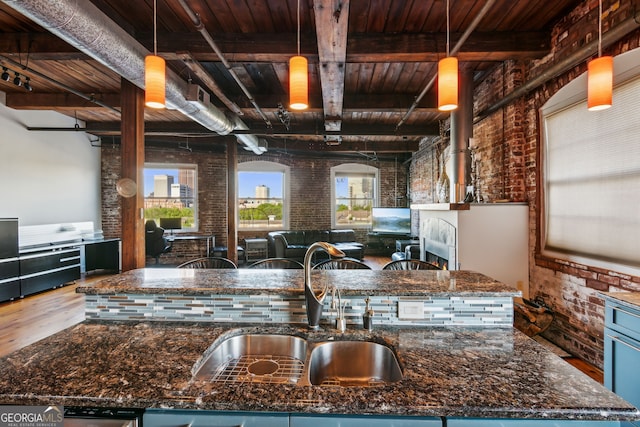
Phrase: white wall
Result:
[46,177]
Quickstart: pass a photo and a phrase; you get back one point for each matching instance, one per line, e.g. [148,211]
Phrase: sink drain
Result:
[263,367]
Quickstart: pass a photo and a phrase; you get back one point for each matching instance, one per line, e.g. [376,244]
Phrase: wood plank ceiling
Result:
[368,62]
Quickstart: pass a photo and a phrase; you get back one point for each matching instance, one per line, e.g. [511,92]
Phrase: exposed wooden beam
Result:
[58,101]
[192,128]
[332,19]
[354,103]
[258,47]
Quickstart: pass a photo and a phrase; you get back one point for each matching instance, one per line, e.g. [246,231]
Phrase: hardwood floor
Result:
[27,320]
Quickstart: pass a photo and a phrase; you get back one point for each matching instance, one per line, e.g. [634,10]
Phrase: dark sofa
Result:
[294,244]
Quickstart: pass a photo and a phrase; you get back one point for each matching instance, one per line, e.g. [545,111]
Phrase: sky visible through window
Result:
[247,182]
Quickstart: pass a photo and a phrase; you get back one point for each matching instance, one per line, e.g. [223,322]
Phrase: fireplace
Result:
[439,243]
[490,238]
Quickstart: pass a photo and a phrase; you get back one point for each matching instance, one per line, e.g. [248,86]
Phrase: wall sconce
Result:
[448,78]
[298,78]
[154,72]
[600,75]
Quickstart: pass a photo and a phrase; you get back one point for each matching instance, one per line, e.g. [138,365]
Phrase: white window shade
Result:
[592,180]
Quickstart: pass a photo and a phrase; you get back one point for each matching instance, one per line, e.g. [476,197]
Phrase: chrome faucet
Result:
[315,300]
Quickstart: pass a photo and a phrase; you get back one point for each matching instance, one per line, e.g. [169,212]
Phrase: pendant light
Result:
[154,73]
[298,78]
[600,75]
[448,78]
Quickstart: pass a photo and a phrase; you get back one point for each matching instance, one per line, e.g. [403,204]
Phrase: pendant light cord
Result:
[155,37]
[298,27]
[600,28]
[448,27]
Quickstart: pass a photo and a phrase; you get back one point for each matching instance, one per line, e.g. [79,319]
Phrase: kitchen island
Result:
[448,371]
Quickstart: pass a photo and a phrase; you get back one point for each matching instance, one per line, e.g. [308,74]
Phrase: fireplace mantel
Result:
[491,238]
[441,207]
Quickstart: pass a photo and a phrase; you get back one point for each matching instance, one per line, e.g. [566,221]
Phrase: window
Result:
[170,192]
[262,196]
[354,193]
[592,176]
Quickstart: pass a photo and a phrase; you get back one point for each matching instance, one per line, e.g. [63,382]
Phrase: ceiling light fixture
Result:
[600,75]
[16,80]
[27,84]
[154,72]
[448,78]
[298,77]
[5,74]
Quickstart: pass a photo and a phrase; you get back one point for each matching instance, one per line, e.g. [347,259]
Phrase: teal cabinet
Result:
[179,418]
[488,422]
[622,351]
[303,420]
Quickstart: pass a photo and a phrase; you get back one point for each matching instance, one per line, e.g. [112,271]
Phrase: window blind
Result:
[592,179]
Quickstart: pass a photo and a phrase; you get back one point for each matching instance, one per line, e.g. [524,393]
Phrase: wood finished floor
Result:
[27,320]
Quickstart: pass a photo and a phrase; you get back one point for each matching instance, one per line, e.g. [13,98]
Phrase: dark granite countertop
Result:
[291,282]
[467,372]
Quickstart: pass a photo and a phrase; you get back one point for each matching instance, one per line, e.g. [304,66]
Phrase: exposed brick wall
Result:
[310,192]
[507,155]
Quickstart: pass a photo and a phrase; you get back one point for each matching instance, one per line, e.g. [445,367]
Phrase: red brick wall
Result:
[310,192]
[507,149]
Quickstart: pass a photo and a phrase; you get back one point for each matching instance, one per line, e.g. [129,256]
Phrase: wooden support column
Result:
[232,203]
[132,154]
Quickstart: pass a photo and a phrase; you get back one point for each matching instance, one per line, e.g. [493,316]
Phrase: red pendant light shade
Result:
[448,84]
[298,83]
[154,81]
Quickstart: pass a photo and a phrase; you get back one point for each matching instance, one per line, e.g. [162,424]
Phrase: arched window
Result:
[263,196]
[591,173]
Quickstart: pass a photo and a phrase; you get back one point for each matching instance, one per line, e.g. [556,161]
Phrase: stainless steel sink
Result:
[273,358]
[255,358]
[353,363]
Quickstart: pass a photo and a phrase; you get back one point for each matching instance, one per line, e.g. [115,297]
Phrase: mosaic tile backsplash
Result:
[269,308]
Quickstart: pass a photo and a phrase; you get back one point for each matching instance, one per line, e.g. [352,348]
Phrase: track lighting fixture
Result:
[17,78]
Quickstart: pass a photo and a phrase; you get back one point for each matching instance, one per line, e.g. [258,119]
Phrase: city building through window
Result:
[355,192]
[262,196]
[170,192]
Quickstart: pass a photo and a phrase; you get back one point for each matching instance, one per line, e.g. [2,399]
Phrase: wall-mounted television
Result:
[391,221]
[171,223]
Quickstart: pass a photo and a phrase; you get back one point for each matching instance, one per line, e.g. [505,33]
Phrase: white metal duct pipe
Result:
[461,131]
[85,27]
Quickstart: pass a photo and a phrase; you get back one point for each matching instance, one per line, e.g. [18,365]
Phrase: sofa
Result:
[294,244]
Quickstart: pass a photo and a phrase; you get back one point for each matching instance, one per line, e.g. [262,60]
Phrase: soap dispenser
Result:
[367,317]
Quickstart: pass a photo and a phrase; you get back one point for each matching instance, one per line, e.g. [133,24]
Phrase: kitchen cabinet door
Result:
[488,422]
[362,421]
[179,418]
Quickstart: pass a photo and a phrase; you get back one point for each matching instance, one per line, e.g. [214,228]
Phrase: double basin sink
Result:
[288,359]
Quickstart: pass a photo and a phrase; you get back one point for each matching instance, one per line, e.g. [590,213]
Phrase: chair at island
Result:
[341,264]
[209,262]
[275,263]
[409,264]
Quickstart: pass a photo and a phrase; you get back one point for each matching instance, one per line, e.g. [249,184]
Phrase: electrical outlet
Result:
[410,310]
